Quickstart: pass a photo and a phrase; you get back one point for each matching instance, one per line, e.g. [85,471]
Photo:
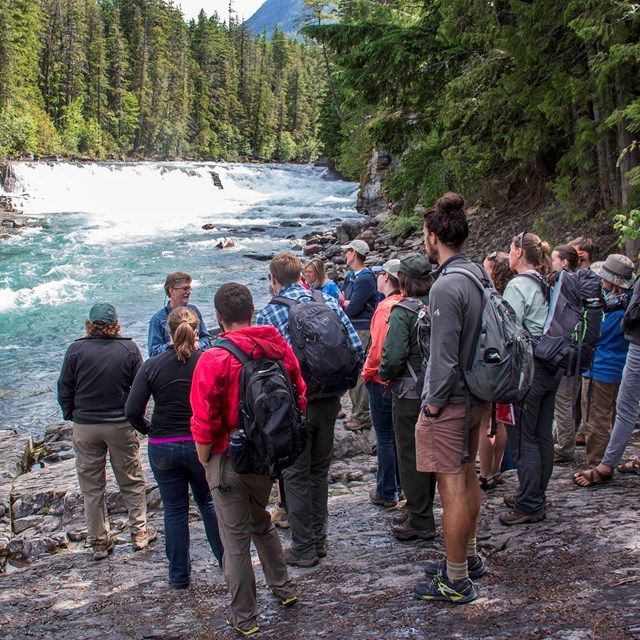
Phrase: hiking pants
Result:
[91,443]
[306,481]
[531,441]
[358,395]
[599,404]
[627,406]
[240,502]
[565,418]
[419,487]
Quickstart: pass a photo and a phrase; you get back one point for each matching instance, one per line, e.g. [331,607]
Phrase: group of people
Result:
[411,390]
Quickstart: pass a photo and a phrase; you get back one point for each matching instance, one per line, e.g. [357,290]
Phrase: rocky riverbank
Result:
[573,576]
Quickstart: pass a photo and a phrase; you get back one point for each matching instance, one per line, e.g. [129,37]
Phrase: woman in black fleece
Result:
[172,453]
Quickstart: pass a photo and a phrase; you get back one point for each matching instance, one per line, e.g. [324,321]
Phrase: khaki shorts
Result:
[440,441]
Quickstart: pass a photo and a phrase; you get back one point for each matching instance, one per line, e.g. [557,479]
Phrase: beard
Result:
[432,252]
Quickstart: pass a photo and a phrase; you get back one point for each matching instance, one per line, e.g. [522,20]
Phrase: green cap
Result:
[415,266]
[103,313]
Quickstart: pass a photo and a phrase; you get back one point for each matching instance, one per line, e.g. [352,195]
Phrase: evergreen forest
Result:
[510,100]
[132,79]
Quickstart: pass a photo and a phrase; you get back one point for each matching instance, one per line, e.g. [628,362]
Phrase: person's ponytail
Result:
[183,324]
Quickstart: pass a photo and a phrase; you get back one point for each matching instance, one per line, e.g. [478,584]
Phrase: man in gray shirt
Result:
[455,309]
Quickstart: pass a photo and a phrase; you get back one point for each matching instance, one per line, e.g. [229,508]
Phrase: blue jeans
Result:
[388,478]
[175,467]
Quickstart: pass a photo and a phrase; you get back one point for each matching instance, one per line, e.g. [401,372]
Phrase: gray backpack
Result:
[502,366]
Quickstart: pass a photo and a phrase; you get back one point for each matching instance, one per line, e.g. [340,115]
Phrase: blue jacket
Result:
[611,349]
[159,337]
[361,291]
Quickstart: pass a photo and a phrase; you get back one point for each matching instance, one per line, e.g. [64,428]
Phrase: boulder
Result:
[312,249]
[348,231]
[14,453]
[333,251]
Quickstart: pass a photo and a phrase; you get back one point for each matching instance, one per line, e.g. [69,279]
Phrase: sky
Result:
[244,8]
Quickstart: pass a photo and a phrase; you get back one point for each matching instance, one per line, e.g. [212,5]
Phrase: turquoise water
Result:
[113,232]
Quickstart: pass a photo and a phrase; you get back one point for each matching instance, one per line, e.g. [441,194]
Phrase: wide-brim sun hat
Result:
[618,270]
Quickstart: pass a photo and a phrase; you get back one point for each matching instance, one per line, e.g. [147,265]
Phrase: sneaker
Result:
[141,541]
[509,518]
[285,602]
[510,500]
[377,500]
[297,561]
[401,517]
[440,588]
[321,550]
[180,585]
[102,550]
[475,566]
[407,532]
[341,415]
[244,632]
[280,518]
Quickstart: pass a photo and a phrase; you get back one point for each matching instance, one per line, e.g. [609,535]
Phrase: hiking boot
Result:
[356,426]
[377,500]
[440,588]
[401,517]
[102,550]
[322,550]
[141,540]
[509,518]
[285,602]
[475,566]
[407,532]
[294,560]
[280,518]
[510,500]
[244,632]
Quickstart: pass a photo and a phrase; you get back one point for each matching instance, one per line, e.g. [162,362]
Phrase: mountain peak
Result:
[283,13]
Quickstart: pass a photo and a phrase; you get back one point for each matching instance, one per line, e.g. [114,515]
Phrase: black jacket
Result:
[96,377]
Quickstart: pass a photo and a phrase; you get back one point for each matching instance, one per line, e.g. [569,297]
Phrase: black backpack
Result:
[274,429]
[573,322]
[631,318]
[328,361]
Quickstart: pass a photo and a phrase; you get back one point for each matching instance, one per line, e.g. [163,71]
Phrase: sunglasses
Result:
[520,239]
[493,255]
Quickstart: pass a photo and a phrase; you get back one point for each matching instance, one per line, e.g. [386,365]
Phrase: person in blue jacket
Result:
[600,384]
[358,299]
[316,277]
[177,288]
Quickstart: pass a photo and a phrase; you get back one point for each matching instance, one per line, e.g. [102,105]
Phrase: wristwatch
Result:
[428,413]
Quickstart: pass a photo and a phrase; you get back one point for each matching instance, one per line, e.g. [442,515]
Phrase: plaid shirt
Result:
[278,314]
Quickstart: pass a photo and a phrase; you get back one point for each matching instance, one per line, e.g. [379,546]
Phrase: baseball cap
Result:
[359,246]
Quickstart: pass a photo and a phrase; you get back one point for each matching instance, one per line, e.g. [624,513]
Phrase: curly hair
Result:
[102,330]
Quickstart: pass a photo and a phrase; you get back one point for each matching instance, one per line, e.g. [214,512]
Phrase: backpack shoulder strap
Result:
[234,350]
[317,296]
[539,280]
[411,304]
[474,278]
[289,302]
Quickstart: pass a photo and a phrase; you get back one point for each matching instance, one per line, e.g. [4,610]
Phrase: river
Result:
[112,232]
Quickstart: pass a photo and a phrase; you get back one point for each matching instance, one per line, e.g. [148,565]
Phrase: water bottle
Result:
[237,440]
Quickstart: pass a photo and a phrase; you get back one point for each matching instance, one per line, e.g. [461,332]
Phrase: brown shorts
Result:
[440,441]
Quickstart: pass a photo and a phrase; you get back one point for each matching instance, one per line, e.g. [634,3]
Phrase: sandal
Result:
[590,478]
[489,483]
[631,466]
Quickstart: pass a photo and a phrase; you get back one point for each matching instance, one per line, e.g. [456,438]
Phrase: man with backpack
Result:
[456,306]
[241,497]
[330,355]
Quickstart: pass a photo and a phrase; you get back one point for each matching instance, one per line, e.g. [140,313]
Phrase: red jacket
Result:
[215,392]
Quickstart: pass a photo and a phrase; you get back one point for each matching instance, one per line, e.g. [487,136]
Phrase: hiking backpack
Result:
[573,322]
[411,387]
[274,429]
[631,318]
[501,367]
[328,361]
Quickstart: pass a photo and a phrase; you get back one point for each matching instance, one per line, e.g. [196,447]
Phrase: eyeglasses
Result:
[493,255]
[182,288]
[520,239]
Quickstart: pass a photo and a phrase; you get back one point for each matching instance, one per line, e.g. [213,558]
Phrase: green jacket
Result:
[401,344]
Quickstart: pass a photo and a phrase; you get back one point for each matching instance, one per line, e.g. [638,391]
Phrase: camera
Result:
[617,304]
